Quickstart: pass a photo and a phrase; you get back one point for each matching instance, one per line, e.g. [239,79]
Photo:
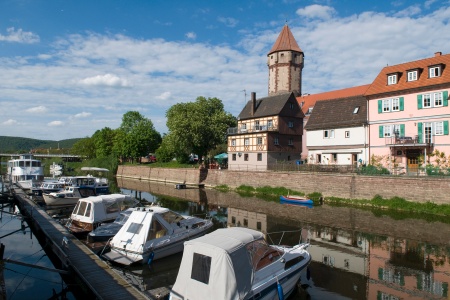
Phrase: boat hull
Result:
[51,200]
[295,201]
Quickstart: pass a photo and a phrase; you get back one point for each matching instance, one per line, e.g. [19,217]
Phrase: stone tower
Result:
[285,62]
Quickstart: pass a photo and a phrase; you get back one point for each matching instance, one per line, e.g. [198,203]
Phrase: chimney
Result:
[253,104]
[439,53]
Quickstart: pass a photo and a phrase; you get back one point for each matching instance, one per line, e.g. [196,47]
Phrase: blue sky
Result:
[69,68]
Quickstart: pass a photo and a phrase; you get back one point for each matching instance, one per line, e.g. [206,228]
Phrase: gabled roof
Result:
[380,86]
[338,113]
[307,101]
[285,41]
[268,106]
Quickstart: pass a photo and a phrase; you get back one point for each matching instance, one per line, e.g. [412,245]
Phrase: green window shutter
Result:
[380,273]
[402,103]
[402,129]
[419,101]
[381,131]
[445,98]
[419,132]
[446,127]
[380,106]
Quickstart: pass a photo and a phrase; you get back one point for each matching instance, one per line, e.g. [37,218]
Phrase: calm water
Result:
[357,254]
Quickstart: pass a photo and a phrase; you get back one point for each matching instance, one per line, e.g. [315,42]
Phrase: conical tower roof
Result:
[285,41]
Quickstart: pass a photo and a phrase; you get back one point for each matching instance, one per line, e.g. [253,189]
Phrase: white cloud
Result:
[19,36]
[10,122]
[164,96]
[316,11]
[55,124]
[83,115]
[229,22]
[409,11]
[191,35]
[428,3]
[37,109]
[105,80]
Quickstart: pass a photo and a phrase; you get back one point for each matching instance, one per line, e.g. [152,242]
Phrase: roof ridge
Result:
[285,41]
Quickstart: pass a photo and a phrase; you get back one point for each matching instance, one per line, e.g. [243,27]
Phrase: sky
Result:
[69,68]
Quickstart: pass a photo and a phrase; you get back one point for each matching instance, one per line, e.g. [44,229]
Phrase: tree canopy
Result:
[197,127]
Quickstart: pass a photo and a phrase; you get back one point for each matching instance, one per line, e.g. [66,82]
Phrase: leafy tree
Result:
[141,138]
[104,142]
[198,127]
[84,147]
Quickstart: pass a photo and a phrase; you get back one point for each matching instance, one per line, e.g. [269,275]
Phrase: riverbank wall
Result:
[417,189]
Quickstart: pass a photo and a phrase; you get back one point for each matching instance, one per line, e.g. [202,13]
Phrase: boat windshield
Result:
[262,254]
[171,217]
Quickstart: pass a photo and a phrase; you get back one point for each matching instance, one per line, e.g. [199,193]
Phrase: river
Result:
[357,253]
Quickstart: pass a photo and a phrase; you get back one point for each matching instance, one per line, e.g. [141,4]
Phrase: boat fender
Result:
[150,258]
[280,291]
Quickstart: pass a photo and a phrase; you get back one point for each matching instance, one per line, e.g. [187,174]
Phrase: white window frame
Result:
[434,71]
[412,75]
[433,100]
[438,99]
[328,134]
[233,142]
[355,110]
[392,79]
[426,101]
[269,123]
[347,134]
[310,109]
[259,140]
[387,130]
[386,105]
[438,128]
[395,104]
[246,142]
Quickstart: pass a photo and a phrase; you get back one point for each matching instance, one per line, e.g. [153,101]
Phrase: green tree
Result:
[85,147]
[198,127]
[104,142]
[141,138]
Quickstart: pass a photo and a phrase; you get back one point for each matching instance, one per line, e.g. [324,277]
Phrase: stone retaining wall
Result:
[419,189]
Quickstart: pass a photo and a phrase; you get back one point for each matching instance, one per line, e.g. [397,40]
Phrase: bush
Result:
[373,170]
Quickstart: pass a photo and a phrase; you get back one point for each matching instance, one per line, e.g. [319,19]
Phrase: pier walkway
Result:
[76,257]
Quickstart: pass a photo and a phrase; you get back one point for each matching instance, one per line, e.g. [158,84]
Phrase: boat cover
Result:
[216,264]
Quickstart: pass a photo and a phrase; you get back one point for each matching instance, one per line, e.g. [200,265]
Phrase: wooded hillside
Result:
[9,144]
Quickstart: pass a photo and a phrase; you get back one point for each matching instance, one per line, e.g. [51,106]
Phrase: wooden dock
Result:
[103,281]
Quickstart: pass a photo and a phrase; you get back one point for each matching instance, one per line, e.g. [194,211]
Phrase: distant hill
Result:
[11,144]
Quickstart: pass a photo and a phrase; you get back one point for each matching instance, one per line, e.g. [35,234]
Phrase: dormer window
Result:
[392,79]
[310,109]
[434,71]
[291,105]
[412,75]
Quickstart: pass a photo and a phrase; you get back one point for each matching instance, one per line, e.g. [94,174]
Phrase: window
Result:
[387,130]
[395,104]
[439,128]
[427,100]
[259,157]
[257,125]
[390,105]
[270,124]
[233,142]
[259,140]
[437,99]
[244,127]
[258,225]
[334,157]
[434,71]
[201,267]
[291,142]
[291,124]
[291,105]
[246,141]
[246,157]
[310,109]
[412,75]
[392,130]
[386,105]
[135,228]
[233,157]
[355,110]
[328,134]
[347,134]
[276,141]
[392,79]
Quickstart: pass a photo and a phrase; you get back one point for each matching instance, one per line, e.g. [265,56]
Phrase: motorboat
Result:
[151,233]
[237,263]
[90,212]
[107,230]
[296,200]
[25,171]
[47,187]
[68,196]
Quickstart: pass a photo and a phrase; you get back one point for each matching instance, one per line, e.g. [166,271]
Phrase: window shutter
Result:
[446,127]
[402,129]
[445,98]
[381,131]
[419,101]
[380,106]
[419,132]
[402,103]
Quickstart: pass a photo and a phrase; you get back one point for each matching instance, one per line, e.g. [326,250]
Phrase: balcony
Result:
[253,129]
[398,141]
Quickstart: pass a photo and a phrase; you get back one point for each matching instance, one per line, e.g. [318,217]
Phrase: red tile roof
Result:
[309,100]
[380,86]
[285,41]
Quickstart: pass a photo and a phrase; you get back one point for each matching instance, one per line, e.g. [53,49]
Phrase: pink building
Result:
[408,115]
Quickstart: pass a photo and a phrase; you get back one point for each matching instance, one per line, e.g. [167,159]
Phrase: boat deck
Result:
[96,274]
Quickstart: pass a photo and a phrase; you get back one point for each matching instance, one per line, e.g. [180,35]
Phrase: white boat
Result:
[90,212]
[107,230]
[151,233]
[47,187]
[68,196]
[237,263]
[25,171]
